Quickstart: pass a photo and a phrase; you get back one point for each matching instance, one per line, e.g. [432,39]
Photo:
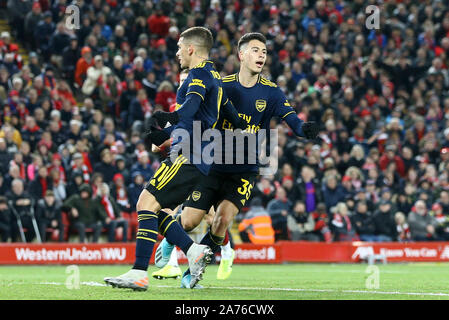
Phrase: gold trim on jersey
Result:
[219,98]
[288,114]
[197,82]
[196,93]
[230,78]
[266,82]
[202,64]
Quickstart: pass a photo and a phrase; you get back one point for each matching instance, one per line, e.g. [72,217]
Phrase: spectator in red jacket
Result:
[158,23]
[83,64]
[390,156]
[165,95]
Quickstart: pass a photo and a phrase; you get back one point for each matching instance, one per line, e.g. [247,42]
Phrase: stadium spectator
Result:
[74,183]
[140,108]
[31,132]
[165,95]
[402,227]
[5,219]
[40,184]
[308,189]
[48,214]
[110,92]
[143,165]
[85,212]
[333,192]
[70,56]
[422,224]
[384,222]
[442,227]
[321,219]
[21,203]
[372,91]
[363,222]
[279,208]
[114,217]
[301,224]
[135,188]
[120,192]
[82,65]
[341,225]
[256,225]
[42,34]
[106,166]
[95,76]
[78,163]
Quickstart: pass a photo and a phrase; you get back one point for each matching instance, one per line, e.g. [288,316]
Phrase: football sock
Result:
[173,259]
[173,231]
[213,241]
[226,251]
[145,238]
[226,238]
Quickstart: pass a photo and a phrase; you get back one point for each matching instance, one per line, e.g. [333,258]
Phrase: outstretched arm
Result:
[230,113]
[309,130]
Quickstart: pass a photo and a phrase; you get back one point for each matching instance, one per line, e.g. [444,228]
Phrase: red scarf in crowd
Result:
[22,169]
[146,106]
[61,172]
[44,186]
[108,207]
[85,170]
[107,88]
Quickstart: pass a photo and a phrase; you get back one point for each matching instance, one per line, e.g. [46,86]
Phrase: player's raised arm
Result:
[284,110]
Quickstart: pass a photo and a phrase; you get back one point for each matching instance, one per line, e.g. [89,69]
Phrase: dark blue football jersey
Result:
[204,81]
[256,105]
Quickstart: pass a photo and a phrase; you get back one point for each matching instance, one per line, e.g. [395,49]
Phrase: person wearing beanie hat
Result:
[83,63]
[48,214]
[86,212]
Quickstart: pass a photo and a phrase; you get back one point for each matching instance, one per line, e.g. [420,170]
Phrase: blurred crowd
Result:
[74,111]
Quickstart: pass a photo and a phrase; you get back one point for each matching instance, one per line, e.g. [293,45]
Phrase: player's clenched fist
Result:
[163,117]
[310,129]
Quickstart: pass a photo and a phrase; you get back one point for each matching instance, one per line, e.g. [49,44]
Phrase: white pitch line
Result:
[439,294]
[326,290]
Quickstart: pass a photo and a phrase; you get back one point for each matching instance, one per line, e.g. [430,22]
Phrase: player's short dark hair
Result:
[200,35]
[247,37]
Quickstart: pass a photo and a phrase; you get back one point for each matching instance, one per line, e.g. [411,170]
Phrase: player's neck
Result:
[196,60]
[247,78]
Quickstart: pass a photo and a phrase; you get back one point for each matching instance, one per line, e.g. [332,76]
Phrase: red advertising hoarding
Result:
[283,251]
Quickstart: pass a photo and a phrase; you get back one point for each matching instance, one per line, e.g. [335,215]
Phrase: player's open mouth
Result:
[259,64]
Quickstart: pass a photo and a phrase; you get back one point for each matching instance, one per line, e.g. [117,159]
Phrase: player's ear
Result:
[240,55]
[190,49]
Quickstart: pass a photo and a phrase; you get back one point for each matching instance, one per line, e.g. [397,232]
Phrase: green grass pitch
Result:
[248,282]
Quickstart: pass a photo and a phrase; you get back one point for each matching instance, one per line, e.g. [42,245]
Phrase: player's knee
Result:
[188,224]
[147,202]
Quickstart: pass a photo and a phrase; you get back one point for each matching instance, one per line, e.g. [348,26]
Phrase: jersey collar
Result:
[237,78]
